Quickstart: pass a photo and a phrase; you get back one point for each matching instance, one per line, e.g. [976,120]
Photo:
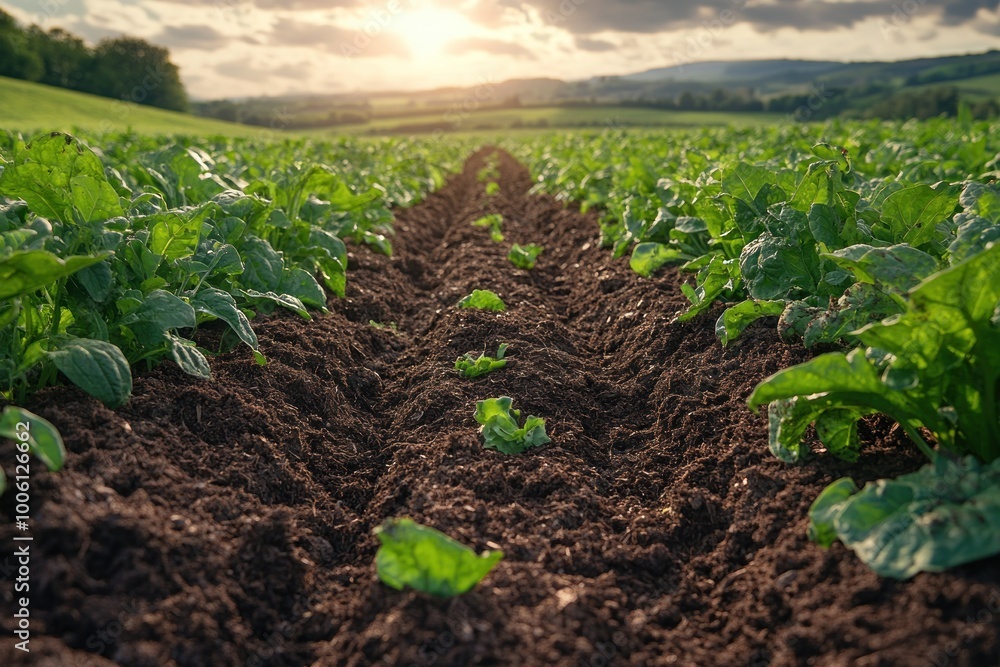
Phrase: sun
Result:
[428,31]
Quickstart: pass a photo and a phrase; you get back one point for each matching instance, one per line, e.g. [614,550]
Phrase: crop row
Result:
[876,238]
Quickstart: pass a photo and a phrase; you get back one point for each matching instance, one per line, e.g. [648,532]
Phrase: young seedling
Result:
[492,189]
[483,300]
[524,257]
[493,222]
[500,428]
[473,367]
[427,560]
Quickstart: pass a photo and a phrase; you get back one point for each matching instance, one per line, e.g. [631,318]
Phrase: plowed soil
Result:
[229,522]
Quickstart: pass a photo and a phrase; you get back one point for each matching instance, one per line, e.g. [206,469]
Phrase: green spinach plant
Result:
[500,430]
[524,257]
[472,367]
[483,300]
[427,560]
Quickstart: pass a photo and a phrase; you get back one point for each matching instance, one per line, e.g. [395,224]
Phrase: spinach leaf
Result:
[427,560]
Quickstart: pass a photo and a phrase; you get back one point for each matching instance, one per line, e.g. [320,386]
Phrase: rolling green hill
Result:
[975,88]
[31,107]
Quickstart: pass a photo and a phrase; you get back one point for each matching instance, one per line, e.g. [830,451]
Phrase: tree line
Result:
[820,103]
[125,68]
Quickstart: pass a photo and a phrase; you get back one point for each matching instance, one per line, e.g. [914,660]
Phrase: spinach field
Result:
[708,396]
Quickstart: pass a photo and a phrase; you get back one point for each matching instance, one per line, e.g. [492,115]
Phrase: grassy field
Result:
[556,117]
[976,88]
[31,107]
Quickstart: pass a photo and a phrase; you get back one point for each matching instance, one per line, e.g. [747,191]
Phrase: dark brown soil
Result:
[229,522]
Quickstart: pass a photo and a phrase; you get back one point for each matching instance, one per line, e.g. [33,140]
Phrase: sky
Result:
[244,48]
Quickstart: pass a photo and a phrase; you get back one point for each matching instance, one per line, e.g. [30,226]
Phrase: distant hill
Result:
[34,107]
[734,71]
[751,86]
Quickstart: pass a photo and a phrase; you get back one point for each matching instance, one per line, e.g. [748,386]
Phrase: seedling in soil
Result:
[481,299]
[490,172]
[493,222]
[382,327]
[427,560]
[500,427]
[473,367]
[492,189]
[524,257]
[32,434]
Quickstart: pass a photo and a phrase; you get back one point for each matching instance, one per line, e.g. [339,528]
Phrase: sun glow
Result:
[427,32]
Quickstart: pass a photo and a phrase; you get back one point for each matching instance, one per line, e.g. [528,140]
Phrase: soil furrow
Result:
[229,522]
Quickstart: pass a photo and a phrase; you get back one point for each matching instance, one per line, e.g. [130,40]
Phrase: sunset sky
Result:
[235,48]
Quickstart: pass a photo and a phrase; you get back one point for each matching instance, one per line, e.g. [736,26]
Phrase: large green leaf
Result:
[42,438]
[24,272]
[899,267]
[775,267]
[945,514]
[160,313]
[427,560]
[61,179]
[648,258]
[220,304]
[190,359]
[97,367]
[913,213]
[175,234]
[736,318]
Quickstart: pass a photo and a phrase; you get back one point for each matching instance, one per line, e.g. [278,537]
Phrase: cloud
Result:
[291,5]
[333,39]
[40,11]
[494,46]
[596,45]
[958,12]
[196,37]
[586,17]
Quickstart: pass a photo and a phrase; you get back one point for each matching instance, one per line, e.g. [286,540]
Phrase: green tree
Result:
[65,57]
[132,69]
[17,59]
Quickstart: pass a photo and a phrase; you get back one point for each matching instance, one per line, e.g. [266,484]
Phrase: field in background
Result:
[30,107]
[555,118]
